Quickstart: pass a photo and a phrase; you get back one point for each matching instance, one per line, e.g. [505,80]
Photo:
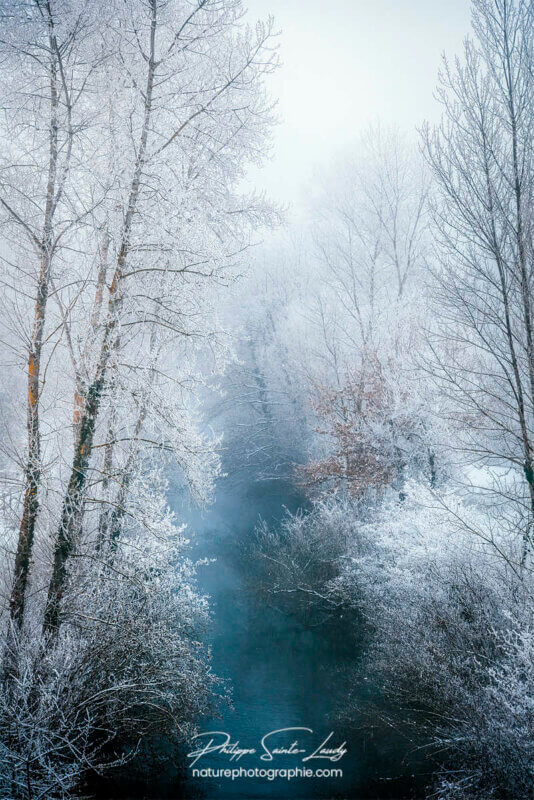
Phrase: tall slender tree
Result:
[482,159]
[191,78]
[47,80]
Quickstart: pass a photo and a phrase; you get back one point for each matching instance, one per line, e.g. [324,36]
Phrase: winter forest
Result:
[260,474]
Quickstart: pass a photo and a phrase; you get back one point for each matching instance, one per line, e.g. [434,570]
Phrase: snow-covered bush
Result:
[297,563]
[450,615]
[447,615]
[127,662]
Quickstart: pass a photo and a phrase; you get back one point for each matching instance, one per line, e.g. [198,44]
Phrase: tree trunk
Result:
[73,502]
[117,515]
[30,506]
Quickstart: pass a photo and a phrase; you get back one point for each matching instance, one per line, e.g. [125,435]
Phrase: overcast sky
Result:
[347,63]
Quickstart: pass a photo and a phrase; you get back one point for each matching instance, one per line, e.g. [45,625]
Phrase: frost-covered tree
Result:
[327,365]
[364,324]
[49,57]
[482,159]
[440,576]
[195,114]
[264,408]
[450,622]
[134,124]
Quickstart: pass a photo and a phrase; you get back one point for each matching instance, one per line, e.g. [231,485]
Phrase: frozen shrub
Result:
[126,664]
[447,615]
[451,621]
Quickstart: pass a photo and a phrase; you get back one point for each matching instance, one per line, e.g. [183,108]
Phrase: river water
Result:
[282,673]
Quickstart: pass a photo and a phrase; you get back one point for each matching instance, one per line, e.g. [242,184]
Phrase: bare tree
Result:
[129,202]
[482,159]
[370,241]
[47,81]
[370,236]
[192,82]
